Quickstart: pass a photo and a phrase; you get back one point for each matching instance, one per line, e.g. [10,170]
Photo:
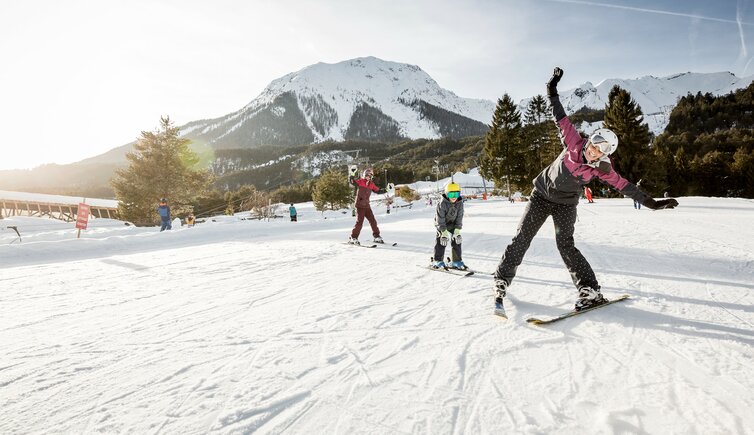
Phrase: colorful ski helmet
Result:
[367,172]
[605,140]
[452,187]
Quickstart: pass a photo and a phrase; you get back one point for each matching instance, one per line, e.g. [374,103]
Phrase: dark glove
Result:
[658,205]
[666,203]
[552,85]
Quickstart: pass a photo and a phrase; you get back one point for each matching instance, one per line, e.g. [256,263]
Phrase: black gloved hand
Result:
[552,84]
[659,205]
[666,203]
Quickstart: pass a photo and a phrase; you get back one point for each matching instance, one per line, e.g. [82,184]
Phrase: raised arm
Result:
[552,93]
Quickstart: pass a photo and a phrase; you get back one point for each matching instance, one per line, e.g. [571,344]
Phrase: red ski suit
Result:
[364,189]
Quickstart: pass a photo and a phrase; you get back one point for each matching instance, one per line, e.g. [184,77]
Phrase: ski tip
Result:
[534,321]
[501,314]
[394,244]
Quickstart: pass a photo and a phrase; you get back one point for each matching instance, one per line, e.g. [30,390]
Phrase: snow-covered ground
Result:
[240,326]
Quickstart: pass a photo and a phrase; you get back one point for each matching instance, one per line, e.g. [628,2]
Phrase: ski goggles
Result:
[600,142]
[454,195]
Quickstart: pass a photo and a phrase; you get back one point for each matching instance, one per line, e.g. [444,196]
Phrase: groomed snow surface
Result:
[241,326]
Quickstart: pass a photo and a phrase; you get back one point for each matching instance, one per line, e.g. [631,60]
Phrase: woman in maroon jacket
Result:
[364,188]
[556,193]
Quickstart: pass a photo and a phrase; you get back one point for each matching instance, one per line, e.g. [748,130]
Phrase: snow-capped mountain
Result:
[657,96]
[363,98]
[369,98]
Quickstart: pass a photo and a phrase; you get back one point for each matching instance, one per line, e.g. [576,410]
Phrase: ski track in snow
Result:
[275,327]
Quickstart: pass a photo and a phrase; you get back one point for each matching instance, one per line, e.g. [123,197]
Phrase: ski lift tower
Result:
[436,170]
[355,159]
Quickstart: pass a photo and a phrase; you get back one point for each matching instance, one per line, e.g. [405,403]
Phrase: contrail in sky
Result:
[743,54]
[740,30]
[655,11]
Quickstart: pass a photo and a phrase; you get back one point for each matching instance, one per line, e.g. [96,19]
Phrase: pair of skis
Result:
[372,245]
[452,271]
[500,308]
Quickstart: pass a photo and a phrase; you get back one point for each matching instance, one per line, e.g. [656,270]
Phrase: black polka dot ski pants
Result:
[564,218]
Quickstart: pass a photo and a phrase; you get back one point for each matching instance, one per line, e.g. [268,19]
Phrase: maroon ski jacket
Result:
[364,189]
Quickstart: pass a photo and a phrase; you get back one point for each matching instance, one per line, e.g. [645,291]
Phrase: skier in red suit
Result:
[364,188]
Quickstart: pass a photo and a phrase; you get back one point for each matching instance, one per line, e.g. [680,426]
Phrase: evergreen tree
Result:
[707,170]
[743,173]
[634,159]
[503,158]
[332,191]
[159,167]
[540,136]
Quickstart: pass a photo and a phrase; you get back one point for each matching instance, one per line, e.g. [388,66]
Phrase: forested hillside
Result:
[708,146]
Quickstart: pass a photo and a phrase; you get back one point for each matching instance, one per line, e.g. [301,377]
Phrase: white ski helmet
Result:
[605,140]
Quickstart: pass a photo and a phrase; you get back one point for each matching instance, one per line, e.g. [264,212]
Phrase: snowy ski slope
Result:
[277,327]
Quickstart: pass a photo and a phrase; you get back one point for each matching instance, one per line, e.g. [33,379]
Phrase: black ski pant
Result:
[564,218]
[362,213]
[440,249]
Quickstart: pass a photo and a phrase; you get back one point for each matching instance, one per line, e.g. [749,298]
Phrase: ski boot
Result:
[588,298]
[439,264]
[500,287]
[378,239]
[353,241]
[458,265]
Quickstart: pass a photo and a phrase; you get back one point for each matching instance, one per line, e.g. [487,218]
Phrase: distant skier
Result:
[556,193]
[588,194]
[164,211]
[364,188]
[292,212]
[448,223]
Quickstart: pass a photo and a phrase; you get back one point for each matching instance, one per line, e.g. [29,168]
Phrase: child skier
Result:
[556,193]
[448,222]
[364,188]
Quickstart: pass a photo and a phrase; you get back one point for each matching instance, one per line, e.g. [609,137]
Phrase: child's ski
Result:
[456,272]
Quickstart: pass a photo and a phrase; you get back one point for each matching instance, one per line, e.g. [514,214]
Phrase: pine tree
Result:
[540,137]
[503,157]
[633,159]
[159,167]
[331,191]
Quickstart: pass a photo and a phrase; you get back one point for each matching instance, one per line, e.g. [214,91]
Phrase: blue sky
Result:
[81,77]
